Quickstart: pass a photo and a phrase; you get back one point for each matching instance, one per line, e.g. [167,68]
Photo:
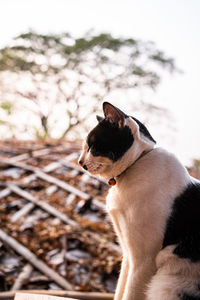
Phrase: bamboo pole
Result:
[32,258]
[45,206]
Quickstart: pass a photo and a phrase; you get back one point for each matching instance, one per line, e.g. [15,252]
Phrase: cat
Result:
[154,205]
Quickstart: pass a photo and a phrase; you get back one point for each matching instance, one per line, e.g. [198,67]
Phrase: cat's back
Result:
[158,168]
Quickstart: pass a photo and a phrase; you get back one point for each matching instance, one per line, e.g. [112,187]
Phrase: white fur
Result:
[139,205]
[140,209]
[174,276]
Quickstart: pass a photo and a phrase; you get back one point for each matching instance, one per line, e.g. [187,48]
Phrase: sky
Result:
[173,25]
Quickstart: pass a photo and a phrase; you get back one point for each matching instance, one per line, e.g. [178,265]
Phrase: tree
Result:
[60,79]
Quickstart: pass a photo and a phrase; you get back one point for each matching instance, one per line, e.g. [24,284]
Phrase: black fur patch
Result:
[108,140]
[189,297]
[183,226]
[144,130]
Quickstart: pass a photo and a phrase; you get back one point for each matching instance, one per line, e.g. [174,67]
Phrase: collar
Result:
[112,181]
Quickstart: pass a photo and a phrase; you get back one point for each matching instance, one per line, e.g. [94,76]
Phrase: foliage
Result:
[196,165]
[7,107]
[194,168]
[60,79]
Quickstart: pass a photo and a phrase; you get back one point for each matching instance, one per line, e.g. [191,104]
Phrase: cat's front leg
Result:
[122,279]
[139,250]
[115,216]
[139,276]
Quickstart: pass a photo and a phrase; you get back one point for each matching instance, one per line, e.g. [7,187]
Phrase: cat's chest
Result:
[117,198]
[134,202]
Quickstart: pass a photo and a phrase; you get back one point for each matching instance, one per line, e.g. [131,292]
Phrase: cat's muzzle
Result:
[83,165]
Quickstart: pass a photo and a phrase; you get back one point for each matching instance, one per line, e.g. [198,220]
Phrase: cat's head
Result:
[115,143]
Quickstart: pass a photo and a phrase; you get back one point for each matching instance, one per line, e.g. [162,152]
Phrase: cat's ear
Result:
[114,114]
[99,118]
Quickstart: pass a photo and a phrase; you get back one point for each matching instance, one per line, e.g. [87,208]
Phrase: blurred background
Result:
[60,60]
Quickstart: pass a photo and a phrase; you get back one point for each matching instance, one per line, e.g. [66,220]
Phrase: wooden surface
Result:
[24,296]
[58,294]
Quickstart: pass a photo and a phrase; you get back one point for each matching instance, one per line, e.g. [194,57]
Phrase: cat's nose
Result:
[80,162]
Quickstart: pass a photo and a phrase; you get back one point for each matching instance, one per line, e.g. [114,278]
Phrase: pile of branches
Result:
[55,233]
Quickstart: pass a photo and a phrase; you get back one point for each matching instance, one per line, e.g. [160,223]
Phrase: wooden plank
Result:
[45,206]
[61,293]
[69,188]
[28,207]
[35,153]
[4,193]
[51,167]
[62,184]
[47,178]
[25,210]
[32,258]
[25,296]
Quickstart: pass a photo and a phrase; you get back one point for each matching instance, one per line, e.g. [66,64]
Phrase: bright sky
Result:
[173,25]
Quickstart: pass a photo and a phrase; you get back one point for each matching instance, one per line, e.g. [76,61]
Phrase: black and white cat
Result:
[154,206]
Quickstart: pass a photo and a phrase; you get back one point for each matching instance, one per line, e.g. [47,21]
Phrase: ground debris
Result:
[48,205]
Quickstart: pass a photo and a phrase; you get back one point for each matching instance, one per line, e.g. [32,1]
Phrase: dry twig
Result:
[23,277]
[39,264]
